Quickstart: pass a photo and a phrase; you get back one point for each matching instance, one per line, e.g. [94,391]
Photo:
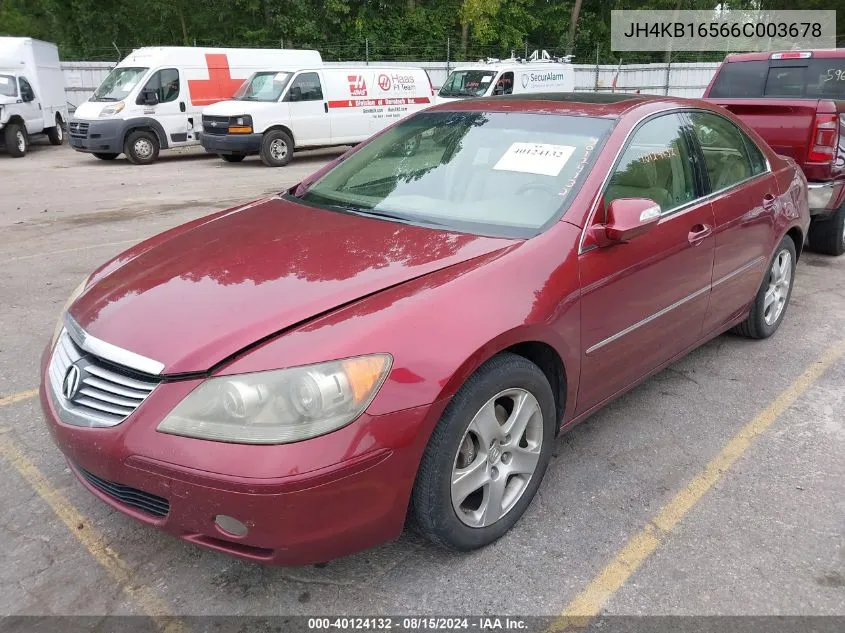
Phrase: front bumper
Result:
[303,503]
[231,143]
[100,136]
[825,197]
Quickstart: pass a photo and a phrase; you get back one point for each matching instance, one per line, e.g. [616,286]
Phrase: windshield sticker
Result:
[535,158]
[570,184]
[5,80]
[486,80]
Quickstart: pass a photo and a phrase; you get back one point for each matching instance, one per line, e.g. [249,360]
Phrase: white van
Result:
[153,99]
[32,93]
[281,110]
[539,73]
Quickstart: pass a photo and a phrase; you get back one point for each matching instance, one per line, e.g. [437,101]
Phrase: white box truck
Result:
[493,77]
[32,93]
[153,99]
[277,111]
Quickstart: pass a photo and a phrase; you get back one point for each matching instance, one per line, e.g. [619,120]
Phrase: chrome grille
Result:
[106,394]
[78,129]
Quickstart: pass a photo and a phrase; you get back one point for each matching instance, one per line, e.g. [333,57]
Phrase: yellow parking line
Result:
[587,604]
[17,397]
[91,539]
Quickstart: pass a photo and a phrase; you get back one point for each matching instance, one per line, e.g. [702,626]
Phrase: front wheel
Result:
[16,141]
[772,298]
[141,147]
[56,135]
[486,456]
[276,148]
[827,236]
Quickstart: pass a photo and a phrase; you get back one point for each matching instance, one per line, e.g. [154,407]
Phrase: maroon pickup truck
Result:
[795,100]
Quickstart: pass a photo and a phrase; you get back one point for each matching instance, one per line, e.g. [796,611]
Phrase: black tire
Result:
[271,152]
[56,134]
[827,236]
[141,147]
[755,325]
[432,511]
[232,158]
[16,140]
[104,156]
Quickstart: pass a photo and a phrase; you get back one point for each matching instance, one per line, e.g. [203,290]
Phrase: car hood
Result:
[235,108]
[199,294]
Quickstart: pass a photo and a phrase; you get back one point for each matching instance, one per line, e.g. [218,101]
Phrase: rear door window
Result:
[725,148]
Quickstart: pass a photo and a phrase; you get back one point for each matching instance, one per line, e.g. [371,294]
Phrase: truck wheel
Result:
[16,141]
[141,147]
[827,236]
[276,149]
[232,158]
[772,299]
[103,156]
[56,134]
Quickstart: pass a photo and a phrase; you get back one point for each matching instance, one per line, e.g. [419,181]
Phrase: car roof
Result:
[820,53]
[596,104]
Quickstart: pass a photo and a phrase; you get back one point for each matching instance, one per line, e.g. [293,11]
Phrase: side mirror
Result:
[296,93]
[149,97]
[627,218]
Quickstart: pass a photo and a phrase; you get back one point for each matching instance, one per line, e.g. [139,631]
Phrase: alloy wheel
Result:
[21,139]
[780,277]
[497,457]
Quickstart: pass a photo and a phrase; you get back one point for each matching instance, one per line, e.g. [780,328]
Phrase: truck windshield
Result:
[118,84]
[8,86]
[467,83]
[797,79]
[490,173]
[264,86]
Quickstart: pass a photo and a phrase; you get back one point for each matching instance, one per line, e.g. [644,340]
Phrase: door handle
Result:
[326,106]
[181,106]
[698,233]
[769,202]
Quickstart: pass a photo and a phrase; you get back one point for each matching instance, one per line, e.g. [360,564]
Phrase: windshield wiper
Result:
[96,98]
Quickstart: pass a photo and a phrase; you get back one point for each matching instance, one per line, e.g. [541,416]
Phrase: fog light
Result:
[230,525]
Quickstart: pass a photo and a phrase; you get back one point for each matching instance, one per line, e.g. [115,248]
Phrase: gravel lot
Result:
[766,538]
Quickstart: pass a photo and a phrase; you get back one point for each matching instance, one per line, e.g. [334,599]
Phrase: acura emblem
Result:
[70,385]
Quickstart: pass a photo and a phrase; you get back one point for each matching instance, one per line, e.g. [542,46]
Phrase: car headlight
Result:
[60,323]
[112,108]
[240,124]
[280,406]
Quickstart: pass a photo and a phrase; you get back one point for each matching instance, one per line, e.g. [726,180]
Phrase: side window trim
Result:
[702,180]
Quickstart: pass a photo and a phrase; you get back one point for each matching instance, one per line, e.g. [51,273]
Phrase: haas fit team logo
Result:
[357,85]
[384,82]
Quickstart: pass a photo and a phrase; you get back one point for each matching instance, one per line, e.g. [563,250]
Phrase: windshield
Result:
[118,84]
[264,86]
[492,173]
[467,83]
[796,78]
[8,86]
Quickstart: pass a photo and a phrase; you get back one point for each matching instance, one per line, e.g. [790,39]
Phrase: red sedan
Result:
[407,331]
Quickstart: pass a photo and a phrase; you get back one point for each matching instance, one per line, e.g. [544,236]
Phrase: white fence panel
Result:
[684,79]
[82,79]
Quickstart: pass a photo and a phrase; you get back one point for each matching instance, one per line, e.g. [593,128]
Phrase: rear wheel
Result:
[141,147]
[56,134]
[827,236]
[276,148]
[486,456]
[772,299]
[103,156]
[16,141]
[232,158]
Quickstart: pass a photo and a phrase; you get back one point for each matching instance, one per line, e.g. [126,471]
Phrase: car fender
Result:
[136,123]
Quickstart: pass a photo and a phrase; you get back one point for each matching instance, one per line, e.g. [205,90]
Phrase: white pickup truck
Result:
[32,93]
